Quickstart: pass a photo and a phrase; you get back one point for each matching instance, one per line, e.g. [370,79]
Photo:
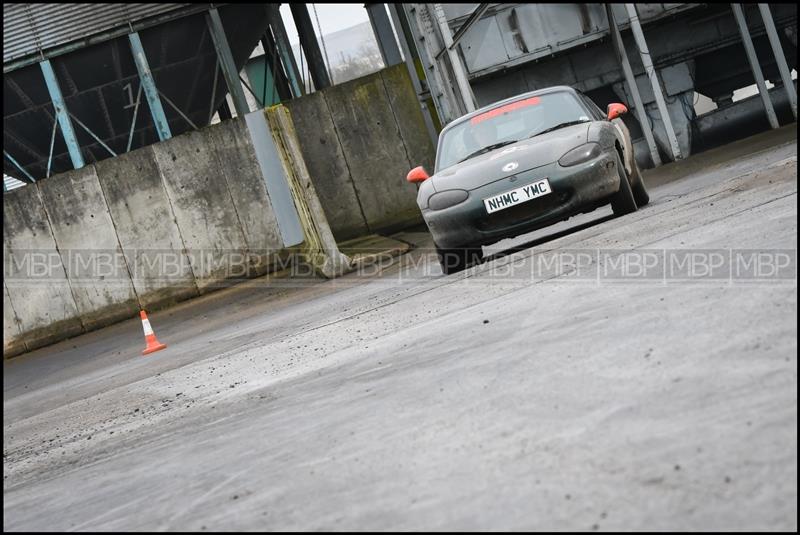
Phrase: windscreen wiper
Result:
[556,127]
[489,148]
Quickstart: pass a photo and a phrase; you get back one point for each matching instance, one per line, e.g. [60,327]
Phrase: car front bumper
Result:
[575,189]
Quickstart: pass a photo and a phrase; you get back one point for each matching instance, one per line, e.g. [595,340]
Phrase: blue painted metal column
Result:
[149,85]
[61,113]
[226,62]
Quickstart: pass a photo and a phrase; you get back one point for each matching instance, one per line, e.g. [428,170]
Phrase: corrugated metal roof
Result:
[28,28]
[11,183]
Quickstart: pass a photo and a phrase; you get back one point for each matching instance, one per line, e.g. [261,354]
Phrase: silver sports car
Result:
[522,164]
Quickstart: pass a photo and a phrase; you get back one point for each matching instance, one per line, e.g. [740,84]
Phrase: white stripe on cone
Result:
[147,329]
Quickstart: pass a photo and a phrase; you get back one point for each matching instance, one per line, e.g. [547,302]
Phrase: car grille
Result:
[525,212]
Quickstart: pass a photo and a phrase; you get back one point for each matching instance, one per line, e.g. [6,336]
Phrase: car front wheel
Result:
[639,190]
[459,259]
[623,201]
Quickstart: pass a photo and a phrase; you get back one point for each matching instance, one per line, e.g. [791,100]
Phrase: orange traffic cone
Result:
[149,336]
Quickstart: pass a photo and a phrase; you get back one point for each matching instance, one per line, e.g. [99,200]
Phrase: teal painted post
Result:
[150,90]
[61,113]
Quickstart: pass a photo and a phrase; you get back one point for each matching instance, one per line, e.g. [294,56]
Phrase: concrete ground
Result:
[403,399]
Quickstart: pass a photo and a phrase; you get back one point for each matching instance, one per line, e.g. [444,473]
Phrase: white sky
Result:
[332,17]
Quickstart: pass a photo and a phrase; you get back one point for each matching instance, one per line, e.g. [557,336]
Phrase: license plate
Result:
[517,196]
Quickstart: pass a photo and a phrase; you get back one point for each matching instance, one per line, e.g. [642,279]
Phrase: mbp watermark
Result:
[697,265]
[566,265]
[764,265]
[176,267]
[631,265]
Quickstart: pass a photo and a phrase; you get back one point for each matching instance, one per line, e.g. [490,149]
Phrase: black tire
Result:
[623,202]
[455,260]
[638,188]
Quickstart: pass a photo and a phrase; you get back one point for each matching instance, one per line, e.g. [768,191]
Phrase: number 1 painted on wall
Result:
[131,103]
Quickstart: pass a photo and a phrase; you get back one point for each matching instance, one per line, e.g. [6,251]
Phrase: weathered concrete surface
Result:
[12,343]
[87,241]
[46,310]
[359,140]
[370,138]
[197,189]
[146,228]
[408,115]
[234,149]
[407,400]
[326,164]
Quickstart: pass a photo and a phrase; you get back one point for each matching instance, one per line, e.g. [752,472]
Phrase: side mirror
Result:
[615,109]
[417,175]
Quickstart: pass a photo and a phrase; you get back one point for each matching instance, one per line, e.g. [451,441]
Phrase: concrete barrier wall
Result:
[201,203]
[166,222]
[326,163]
[144,221]
[43,310]
[248,191]
[359,140]
[105,233]
[85,236]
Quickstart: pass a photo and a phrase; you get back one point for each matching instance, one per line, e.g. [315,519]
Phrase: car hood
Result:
[527,154]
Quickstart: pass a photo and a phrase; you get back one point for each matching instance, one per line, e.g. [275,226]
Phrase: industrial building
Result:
[85,82]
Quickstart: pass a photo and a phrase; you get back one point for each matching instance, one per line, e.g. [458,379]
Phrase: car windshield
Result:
[508,124]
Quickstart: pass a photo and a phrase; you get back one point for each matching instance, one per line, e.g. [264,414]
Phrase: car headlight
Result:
[581,154]
[446,199]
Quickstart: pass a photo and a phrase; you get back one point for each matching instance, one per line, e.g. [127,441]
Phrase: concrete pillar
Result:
[777,49]
[650,70]
[619,46]
[308,40]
